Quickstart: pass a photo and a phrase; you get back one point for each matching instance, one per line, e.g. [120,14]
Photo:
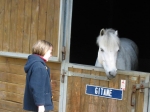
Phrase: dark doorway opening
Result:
[130,18]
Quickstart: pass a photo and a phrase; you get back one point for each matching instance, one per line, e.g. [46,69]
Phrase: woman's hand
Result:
[41,108]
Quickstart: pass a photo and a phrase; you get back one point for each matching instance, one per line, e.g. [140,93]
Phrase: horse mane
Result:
[109,39]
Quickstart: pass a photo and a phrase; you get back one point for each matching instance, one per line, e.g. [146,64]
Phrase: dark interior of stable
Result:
[130,17]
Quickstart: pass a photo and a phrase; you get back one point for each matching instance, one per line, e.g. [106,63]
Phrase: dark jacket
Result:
[38,89]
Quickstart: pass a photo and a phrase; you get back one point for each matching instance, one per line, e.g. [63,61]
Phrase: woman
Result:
[38,94]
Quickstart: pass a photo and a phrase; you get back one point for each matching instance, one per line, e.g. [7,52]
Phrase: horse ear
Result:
[102,32]
[116,32]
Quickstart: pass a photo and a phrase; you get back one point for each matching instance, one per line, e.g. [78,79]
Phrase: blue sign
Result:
[104,92]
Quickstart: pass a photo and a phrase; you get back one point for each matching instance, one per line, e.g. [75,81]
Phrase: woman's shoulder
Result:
[38,65]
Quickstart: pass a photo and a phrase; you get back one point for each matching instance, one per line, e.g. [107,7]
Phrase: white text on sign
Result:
[103,91]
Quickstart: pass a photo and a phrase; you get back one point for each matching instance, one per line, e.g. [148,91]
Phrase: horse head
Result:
[108,42]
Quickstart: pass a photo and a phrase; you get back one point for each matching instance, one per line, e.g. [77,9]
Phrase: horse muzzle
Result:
[111,74]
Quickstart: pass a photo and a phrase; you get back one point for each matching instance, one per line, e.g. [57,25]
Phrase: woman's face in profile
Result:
[48,54]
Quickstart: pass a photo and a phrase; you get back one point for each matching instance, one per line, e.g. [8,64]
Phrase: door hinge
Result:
[63,53]
[63,76]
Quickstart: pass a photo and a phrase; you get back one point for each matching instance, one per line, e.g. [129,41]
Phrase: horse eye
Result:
[102,50]
[118,50]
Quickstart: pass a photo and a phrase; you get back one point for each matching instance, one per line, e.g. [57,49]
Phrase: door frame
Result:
[67,7]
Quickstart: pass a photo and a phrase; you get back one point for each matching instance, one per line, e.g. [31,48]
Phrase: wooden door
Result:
[78,101]
[23,22]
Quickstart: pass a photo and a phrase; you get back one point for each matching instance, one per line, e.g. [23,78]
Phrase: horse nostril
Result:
[111,73]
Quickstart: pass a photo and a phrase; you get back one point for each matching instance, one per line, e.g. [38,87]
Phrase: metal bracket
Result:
[87,76]
[69,73]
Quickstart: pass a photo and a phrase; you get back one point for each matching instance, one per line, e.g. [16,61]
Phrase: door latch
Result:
[136,87]
[63,53]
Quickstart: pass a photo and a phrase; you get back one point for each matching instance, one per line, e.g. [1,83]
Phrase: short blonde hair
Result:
[41,47]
